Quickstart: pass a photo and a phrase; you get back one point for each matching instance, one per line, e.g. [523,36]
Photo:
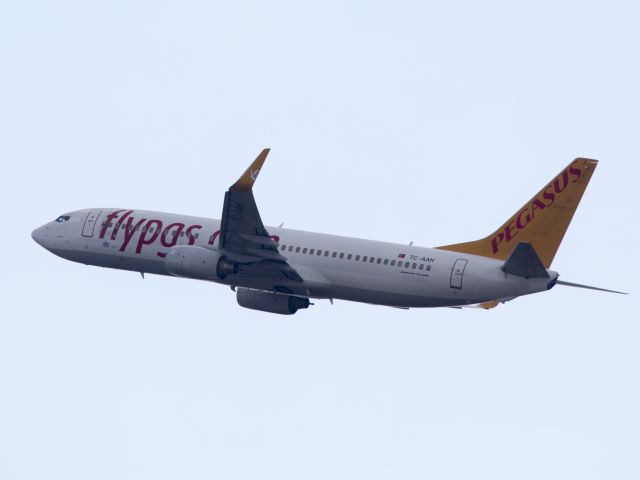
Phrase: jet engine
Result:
[270,302]
[198,262]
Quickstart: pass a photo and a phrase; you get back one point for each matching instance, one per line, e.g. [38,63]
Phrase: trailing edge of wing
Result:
[248,178]
[578,285]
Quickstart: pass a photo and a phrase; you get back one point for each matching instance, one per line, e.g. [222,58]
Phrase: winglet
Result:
[248,178]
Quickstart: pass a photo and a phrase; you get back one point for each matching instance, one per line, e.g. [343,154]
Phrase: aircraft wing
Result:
[243,237]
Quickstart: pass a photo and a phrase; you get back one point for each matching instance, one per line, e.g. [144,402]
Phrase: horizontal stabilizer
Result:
[524,262]
[489,305]
[569,284]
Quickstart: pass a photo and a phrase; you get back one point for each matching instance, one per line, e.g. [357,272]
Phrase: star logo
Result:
[105,244]
[254,174]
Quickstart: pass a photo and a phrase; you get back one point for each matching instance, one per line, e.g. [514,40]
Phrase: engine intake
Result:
[198,262]
[270,302]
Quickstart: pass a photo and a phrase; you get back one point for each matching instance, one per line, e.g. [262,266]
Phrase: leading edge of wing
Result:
[248,178]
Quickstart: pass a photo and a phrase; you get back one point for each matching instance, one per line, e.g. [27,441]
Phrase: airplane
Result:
[280,270]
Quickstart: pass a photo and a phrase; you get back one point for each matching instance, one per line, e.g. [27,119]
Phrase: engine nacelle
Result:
[270,302]
[198,262]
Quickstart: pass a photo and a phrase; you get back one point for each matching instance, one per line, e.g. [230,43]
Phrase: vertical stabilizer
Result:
[542,221]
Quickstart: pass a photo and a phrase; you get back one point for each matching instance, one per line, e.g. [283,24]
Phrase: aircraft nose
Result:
[38,236]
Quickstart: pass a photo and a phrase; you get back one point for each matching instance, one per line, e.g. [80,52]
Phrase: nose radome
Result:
[38,236]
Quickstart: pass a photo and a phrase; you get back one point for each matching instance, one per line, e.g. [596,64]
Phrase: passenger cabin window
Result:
[283,247]
[319,252]
[386,261]
[326,253]
[421,266]
[357,258]
[349,256]
[334,254]
[291,248]
[297,249]
[341,256]
[364,259]
[312,251]
[304,250]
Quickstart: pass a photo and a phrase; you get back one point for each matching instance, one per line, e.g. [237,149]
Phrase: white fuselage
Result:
[346,268]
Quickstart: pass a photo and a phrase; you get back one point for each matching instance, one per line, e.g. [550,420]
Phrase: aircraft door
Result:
[457,272]
[90,223]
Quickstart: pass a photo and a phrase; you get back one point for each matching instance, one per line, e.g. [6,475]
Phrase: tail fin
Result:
[542,221]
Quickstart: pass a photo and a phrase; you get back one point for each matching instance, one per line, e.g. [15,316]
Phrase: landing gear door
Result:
[90,223]
[457,272]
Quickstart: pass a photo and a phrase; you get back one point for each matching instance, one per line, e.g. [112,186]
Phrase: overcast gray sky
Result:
[399,121]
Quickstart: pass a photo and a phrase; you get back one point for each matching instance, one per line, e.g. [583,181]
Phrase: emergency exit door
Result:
[90,223]
[457,272]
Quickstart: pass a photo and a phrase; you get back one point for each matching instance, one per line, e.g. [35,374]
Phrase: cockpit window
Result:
[63,218]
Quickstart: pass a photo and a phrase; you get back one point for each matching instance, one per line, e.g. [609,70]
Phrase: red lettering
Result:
[536,204]
[507,232]
[176,234]
[212,238]
[549,196]
[527,219]
[575,172]
[192,238]
[496,242]
[174,240]
[565,181]
[143,240]
[129,230]
[120,220]
[105,224]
